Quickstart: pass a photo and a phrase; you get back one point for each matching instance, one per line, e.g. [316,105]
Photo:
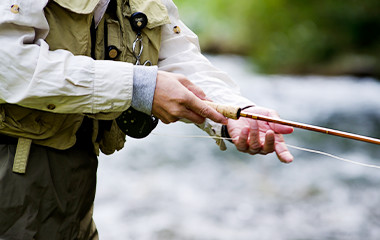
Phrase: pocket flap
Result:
[79,6]
[155,11]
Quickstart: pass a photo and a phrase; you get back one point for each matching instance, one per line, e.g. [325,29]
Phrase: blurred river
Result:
[163,188]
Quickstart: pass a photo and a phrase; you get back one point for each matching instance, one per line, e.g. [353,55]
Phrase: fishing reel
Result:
[136,124]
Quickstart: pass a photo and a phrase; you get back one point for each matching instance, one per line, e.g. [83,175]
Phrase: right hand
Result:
[176,97]
[260,137]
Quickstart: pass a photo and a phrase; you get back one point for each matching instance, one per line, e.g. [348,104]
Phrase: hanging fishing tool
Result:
[236,112]
[132,122]
[138,22]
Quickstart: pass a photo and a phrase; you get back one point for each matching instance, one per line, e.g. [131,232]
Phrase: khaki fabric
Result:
[81,7]
[156,12]
[54,198]
[46,129]
[70,29]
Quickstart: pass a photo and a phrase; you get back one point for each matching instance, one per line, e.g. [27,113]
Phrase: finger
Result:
[284,155]
[279,128]
[241,142]
[166,119]
[254,138]
[204,110]
[282,151]
[269,143]
[193,117]
[192,87]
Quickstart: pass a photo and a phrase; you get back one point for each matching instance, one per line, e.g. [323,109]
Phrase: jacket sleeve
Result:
[180,53]
[32,76]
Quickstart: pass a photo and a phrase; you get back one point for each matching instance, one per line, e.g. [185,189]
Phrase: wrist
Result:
[144,84]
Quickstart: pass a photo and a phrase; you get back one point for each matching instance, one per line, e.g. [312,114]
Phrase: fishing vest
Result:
[72,28]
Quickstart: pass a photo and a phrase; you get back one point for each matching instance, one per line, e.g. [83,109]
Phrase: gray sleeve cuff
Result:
[144,84]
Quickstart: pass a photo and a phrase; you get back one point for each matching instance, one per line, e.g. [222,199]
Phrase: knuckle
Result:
[182,77]
[164,120]
[182,100]
[175,112]
[242,147]
[255,146]
[254,150]
[173,119]
[204,111]
[169,120]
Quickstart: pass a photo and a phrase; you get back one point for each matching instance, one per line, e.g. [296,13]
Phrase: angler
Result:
[76,77]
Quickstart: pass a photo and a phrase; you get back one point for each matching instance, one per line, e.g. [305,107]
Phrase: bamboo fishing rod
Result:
[236,112]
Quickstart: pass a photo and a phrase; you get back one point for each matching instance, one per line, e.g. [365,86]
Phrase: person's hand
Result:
[175,97]
[260,137]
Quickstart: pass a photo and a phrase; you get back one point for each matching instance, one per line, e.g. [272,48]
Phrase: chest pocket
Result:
[79,6]
[69,23]
[157,16]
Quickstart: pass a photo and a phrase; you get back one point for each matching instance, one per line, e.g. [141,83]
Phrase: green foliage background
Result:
[291,36]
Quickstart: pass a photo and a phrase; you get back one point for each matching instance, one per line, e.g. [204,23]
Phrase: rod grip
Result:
[227,110]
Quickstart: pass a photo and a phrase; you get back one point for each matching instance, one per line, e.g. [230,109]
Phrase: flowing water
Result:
[166,187]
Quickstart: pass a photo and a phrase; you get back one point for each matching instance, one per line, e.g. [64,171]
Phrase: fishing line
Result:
[190,136]
[333,156]
[290,146]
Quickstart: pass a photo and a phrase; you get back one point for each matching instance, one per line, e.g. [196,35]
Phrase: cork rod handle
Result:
[227,110]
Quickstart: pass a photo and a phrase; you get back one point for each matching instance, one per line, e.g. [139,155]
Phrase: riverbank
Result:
[346,65]
[291,37]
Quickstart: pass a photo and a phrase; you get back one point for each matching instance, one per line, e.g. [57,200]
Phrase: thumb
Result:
[192,88]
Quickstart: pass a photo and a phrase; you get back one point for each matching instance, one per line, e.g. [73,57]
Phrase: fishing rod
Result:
[234,112]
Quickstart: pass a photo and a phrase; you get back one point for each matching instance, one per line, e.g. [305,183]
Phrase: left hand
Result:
[260,137]
[176,97]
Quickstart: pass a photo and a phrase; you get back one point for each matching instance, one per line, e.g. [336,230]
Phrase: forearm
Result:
[75,84]
[34,77]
